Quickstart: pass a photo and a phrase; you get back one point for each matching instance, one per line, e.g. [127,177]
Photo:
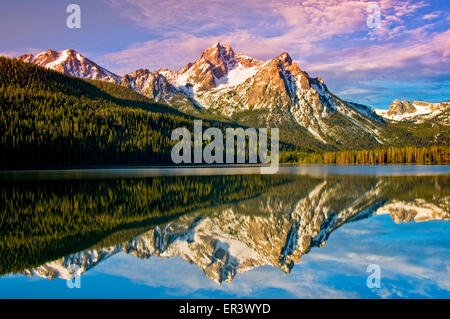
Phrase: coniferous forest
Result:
[50,120]
[392,155]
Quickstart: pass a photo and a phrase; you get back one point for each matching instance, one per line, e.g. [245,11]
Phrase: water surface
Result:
[307,232]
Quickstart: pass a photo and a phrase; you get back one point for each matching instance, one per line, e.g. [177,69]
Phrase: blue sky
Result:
[406,57]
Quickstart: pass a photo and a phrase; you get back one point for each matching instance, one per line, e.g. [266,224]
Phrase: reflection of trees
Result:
[279,217]
[40,221]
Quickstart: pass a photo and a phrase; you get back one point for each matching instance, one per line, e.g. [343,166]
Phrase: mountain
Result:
[155,86]
[218,66]
[150,84]
[72,63]
[417,210]
[51,119]
[417,111]
[274,93]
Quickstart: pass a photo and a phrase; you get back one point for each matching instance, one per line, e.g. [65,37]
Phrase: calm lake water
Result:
[306,232]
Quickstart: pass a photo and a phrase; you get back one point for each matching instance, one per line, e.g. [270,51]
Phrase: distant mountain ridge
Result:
[416,111]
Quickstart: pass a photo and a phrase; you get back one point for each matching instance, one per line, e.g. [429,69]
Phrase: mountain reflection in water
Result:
[223,224]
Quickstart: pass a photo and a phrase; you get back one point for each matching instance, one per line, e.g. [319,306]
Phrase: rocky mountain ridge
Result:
[72,63]
[250,92]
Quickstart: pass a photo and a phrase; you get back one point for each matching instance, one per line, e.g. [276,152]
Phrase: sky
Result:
[403,55]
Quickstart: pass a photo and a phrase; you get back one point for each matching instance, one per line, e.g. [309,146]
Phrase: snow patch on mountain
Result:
[236,76]
[72,63]
[416,111]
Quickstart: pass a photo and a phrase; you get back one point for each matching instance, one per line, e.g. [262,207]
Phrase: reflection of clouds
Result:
[181,278]
[412,257]
[354,232]
[158,272]
[299,284]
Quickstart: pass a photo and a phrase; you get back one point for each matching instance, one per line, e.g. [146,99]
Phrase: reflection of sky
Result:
[414,260]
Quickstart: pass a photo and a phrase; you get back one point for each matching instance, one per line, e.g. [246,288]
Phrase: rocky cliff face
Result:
[155,86]
[400,107]
[417,210]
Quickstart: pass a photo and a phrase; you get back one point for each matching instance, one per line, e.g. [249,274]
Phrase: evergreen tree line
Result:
[434,155]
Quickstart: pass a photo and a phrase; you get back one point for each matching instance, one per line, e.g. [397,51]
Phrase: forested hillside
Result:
[52,120]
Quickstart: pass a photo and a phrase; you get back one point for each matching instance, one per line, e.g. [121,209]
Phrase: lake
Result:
[226,232]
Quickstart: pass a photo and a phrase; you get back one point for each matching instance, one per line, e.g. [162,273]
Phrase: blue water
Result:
[413,257]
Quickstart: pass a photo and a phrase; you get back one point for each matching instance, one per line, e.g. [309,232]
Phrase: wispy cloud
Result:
[432,15]
[197,16]
[432,53]
[15,53]
[299,27]
[326,38]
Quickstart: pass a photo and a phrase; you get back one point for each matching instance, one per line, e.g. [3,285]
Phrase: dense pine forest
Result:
[50,120]
[392,155]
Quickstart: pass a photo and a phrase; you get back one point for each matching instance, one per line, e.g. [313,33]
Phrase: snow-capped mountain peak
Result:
[72,63]
[218,66]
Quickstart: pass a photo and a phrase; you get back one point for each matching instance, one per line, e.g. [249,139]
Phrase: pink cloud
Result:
[194,16]
[430,56]
[303,27]
[432,15]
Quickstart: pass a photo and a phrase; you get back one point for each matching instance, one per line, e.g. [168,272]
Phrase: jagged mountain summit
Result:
[155,86]
[217,67]
[274,93]
[72,63]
